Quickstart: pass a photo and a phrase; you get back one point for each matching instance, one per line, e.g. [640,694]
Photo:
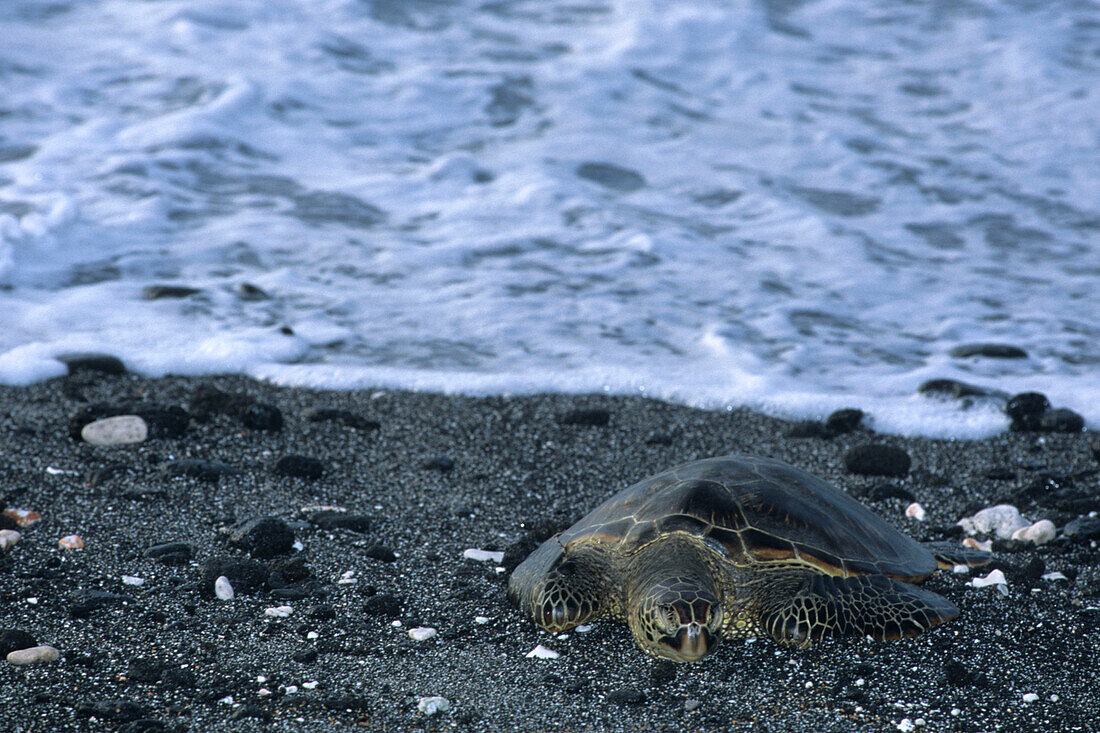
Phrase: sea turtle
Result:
[735,546]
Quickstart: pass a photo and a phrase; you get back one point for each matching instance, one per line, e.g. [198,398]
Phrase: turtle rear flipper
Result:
[858,605]
[949,554]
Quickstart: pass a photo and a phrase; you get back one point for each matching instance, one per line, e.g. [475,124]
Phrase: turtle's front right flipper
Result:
[859,605]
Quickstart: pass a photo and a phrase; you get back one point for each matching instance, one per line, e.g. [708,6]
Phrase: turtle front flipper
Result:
[858,605]
[559,590]
[949,554]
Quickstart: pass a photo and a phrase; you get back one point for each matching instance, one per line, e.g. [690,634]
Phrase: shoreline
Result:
[430,476]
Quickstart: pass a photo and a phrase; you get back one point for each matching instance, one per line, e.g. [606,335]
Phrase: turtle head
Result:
[678,619]
[559,591]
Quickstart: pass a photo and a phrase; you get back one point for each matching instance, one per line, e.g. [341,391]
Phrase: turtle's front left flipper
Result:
[859,605]
[949,554]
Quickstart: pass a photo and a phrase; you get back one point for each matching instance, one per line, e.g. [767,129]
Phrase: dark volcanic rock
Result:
[1083,529]
[207,401]
[380,552]
[90,362]
[1061,420]
[1026,410]
[443,464]
[203,470]
[844,421]
[250,712]
[300,467]
[990,351]
[118,711]
[382,604]
[171,553]
[952,389]
[591,416]
[876,459]
[262,537]
[329,519]
[625,696]
[158,292]
[259,416]
[809,429]
[143,669]
[246,576]
[248,291]
[881,491]
[346,417]
[88,601]
[101,475]
[12,640]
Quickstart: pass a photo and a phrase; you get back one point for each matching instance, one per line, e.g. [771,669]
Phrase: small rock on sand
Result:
[34,655]
[111,431]
[541,652]
[8,537]
[433,704]
[1002,520]
[1039,533]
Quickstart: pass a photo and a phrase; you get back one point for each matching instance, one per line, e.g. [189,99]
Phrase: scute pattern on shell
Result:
[757,507]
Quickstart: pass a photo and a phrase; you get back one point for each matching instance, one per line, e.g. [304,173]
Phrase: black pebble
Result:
[1026,410]
[262,537]
[145,725]
[89,362]
[382,604]
[662,673]
[443,464]
[309,656]
[113,710]
[329,519]
[156,292]
[260,416]
[958,675]
[346,417]
[1061,420]
[246,576]
[877,460]
[12,640]
[171,553]
[952,389]
[248,291]
[592,416]
[300,467]
[207,401]
[843,421]
[881,491]
[380,552]
[322,612]
[1083,529]
[143,669]
[180,679]
[809,429]
[88,601]
[7,522]
[625,696]
[991,351]
[101,475]
[209,471]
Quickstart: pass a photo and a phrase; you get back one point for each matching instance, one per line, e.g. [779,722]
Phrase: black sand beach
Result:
[434,476]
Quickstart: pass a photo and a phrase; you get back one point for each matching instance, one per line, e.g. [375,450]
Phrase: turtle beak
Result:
[692,643]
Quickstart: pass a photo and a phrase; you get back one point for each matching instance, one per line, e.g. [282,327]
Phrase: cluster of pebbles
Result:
[183,554]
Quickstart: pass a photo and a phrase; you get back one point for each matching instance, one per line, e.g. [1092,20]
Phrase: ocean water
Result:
[791,205]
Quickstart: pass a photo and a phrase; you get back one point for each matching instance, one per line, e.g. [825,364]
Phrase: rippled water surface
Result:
[792,205]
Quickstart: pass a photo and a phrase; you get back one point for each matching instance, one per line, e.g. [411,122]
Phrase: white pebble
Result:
[223,589]
[132,580]
[1054,576]
[263,692]
[1002,520]
[1030,697]
[33,655]
[1039,533]
[9,537]
[71,542]
[228,700]
[120,430]
[960,569]
[290,689]
[583,628]
[311,685]
[432,705]
[995,577]
[279,611]
[312,635]
[916,511]
[422,633]
[483,555]
[906,725]
[541,652]
[396,624]
[972,543]
[481,620]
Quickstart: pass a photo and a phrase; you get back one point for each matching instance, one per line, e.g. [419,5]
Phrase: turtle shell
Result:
[761,508]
